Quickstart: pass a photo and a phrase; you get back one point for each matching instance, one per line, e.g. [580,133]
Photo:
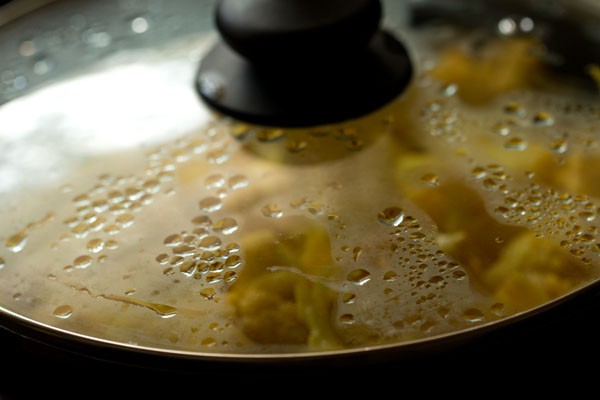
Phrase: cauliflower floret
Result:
[278,297]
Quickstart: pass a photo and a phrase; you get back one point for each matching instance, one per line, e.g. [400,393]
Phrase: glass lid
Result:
[136,217]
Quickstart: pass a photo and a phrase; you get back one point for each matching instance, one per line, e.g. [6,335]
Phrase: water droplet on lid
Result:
[43,66]
[233,261]
[501,129]
[559,146]
[497,309]
[82,262]
[232,248]
[95,245]
[162,258]
[17,242]
[20,82]
[348,298]
[391,216]
[390,276]
[202,220]
[208,293]
[210,204]
[225,226]
[209,243]
[543,119]
[473,315]
[125,220]
[270,135]
[2,263]
[230,276]
[516,144]
[272,211]
[184,250]
[214,181]
[430,180]
[139,25]
[459,275]
[514,108]
[356,252]
[173,240]
[64,311]
[347,319]
[238,182]
[187,267]
[359,276]
[111,244]
[208,342]
[296,145]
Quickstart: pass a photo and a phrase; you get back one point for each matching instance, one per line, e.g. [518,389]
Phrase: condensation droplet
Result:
[347,319]
[296,145]
[214,181]
[229,276]
[238,182]
[359,276]
[184,250]
[272,211]
[111,244]
[497,309]
[173,240]
[17,242]
[95,245]
[208,342]
[125,220]
[209,243]
[559,146]
[210,204]
[208,293]
[225,226]
[430,180]
[472,315]
[187,267]
[356,252]
[162,258]
[390,276]
[270,135]
[515,144]
[459,275]
[82,262]
[501,129]
[391,216]
[2,263]
[514,108]
[543,119]
[139,25]
[348,298]
[64,311]
[233,261]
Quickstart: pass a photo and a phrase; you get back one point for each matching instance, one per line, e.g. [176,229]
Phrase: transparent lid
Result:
[134,216]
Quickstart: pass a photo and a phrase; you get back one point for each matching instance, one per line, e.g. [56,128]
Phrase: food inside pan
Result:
[468,200]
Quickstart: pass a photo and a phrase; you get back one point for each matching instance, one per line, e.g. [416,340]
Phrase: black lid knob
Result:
[301,62]
[296,30]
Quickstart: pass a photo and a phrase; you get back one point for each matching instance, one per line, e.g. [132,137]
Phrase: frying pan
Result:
[82,80]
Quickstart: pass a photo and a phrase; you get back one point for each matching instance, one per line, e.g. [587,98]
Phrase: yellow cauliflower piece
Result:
[278,298]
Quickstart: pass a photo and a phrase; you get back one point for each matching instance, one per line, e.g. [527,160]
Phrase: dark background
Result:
[552,353]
